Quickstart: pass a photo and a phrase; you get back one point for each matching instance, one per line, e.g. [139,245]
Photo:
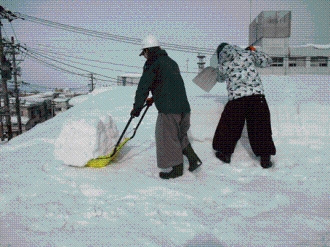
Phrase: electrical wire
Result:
[93,60]
[111,79]
[113,37]
[55,66]
[100,34]
[83,58]
[64,57]
[41,56]
[98,61]
[38,55]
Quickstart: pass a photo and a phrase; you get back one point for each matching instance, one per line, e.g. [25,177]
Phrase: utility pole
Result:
[92,82]
[1,122]
[17,103]
[4,69]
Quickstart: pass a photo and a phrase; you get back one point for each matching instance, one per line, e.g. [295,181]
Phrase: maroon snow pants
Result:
[254,110]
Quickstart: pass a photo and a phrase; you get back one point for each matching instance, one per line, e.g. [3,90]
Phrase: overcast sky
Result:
[202,24]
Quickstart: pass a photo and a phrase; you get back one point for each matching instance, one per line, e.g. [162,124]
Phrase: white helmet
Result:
[149,41]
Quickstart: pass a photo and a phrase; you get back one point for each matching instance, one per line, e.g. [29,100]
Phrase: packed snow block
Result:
[84,139]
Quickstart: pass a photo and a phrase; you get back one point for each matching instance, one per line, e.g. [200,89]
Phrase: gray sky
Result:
[202,24]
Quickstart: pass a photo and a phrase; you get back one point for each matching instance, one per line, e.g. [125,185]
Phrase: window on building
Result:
[297,62]
[34,113]
[37,112]
[277,62]
[319,62]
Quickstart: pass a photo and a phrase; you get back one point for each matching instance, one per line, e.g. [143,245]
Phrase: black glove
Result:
[149,101]
[135,112]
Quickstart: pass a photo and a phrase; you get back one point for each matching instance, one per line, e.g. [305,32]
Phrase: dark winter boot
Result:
[177,171]
[223,157]
[265,161]
[194,161]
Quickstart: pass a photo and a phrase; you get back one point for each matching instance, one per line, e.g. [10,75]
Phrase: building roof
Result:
[59,100]
[313,46]
[310,50]
[24,120]
[131,75]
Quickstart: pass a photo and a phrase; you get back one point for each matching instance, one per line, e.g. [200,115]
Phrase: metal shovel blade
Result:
[206,79]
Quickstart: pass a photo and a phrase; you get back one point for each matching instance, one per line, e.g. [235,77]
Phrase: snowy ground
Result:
[45,202]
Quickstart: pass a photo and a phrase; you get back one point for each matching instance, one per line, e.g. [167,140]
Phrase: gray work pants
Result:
[171,138]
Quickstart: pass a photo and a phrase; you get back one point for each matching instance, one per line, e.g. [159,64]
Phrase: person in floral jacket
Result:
[246,103]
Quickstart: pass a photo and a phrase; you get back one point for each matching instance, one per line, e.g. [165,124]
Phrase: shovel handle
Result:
[128,123]
[137,126]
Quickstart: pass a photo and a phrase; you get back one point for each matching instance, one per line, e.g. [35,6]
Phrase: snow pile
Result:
[80,141]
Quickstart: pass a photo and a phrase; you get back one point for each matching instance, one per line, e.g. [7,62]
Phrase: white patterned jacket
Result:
[237,67]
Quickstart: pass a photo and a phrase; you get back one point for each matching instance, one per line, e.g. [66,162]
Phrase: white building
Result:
[128,79]
[270,32]
[60,105]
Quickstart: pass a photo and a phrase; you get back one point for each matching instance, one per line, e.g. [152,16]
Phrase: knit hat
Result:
[220,47]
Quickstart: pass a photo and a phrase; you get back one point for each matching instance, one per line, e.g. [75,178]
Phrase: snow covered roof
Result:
[48,94]
[313,46]
[58,202]
[24,120]
[61,100]
[34,98]
[310,50]
[131,75]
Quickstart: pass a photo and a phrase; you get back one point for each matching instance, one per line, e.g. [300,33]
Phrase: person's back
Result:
[162,75]
[168,87]
[238,68]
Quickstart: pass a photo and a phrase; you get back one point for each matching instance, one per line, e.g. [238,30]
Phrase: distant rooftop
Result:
[313,45]
[131,75]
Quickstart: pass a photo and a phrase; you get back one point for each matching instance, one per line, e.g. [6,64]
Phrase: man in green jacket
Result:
[161,76]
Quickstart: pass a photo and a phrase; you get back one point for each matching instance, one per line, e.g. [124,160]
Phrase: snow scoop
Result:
[206,79]
[105,160]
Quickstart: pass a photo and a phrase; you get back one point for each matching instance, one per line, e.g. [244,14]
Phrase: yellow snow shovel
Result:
[105,160]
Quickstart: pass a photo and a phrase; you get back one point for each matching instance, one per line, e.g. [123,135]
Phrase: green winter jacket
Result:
[161,76]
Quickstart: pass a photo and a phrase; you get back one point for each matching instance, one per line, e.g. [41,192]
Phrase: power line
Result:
[37,87]
[38,55]
[117,38]
[107,35]
[58,68]
[54,66]
[42,57]
[64,56]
